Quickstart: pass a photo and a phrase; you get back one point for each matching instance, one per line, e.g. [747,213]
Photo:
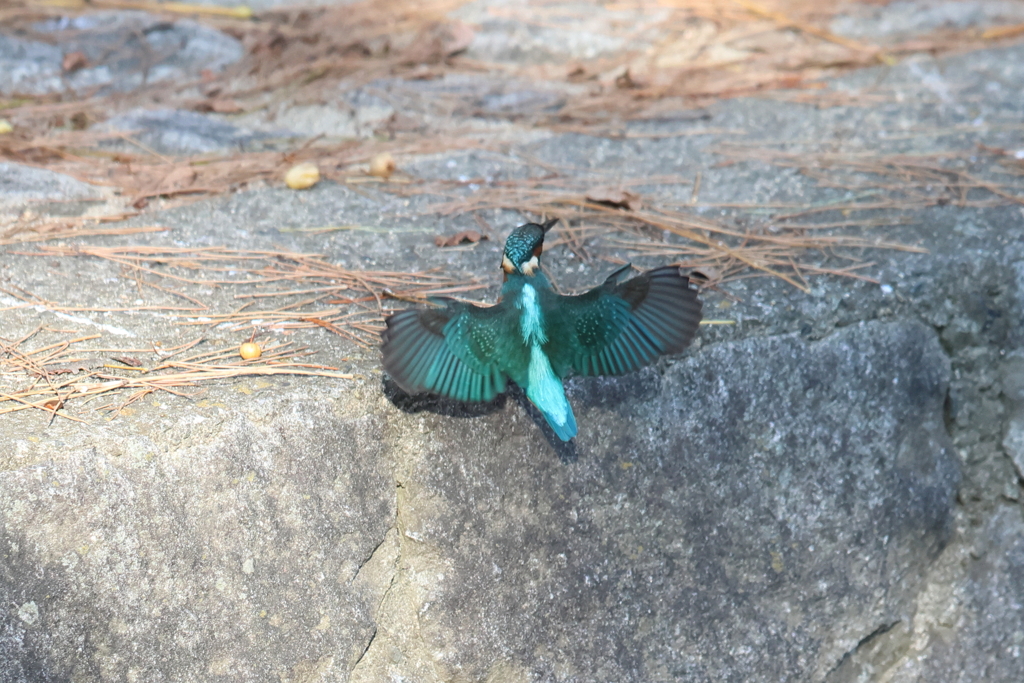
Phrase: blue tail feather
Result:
[565,431]
[546,392]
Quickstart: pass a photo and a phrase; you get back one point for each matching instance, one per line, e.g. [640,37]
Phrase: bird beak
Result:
[550,224]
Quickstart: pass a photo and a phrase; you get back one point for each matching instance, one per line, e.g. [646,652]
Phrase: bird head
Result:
[523,248]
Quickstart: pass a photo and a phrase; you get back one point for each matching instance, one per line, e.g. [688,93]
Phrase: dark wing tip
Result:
[674,303]
[408,342]
[665,307]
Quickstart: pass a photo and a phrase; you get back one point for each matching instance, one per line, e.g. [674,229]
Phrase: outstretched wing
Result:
[618,328]
[451,351]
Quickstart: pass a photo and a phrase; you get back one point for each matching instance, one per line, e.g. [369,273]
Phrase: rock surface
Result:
[23,186]
[761,507]
[823,491]
[784,495]
[243,561]
[147,49]
[173,131]
[908,18]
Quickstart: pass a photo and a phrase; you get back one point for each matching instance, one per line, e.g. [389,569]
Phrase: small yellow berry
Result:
[5,127]
[250,351]
[302,176]
[383,165]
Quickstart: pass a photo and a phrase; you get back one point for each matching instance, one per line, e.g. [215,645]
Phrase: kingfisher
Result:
[537,337]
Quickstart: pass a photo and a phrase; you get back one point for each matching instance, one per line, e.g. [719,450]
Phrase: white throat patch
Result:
[530,267]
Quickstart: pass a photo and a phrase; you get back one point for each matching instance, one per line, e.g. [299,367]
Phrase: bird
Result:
[536,337]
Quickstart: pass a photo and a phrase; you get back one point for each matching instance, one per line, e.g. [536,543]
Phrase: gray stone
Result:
[909,18]
[515,102]
[228,543]
[1017,333]
[1013,392]
[1013,442]
[148,49]
[517,42]
[175,131]
[504,31]
[356,113]
[673,542]
[22,185]
[751,514]
[328,120]
[986,642]
[29,67]
[760,507]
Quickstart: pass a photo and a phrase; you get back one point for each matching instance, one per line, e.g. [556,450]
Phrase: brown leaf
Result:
[580,74]
[439,41]
[220,106]
[471,236]
[400,123]
[425,73]
[705,274]
[457,38]
[179,178]
[625,81]
[177,181]
[617,197]
[73,61]
[66,369]
[128,360]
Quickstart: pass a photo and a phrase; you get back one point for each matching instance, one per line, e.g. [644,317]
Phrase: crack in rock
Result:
[878,632]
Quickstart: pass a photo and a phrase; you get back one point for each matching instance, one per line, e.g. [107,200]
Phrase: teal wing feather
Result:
[455,351]
[620,327]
